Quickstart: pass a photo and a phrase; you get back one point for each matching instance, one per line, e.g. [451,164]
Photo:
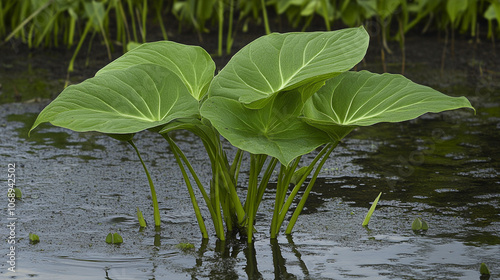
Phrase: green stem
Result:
[156,210]
[80,43]
[302,202]
[122,19]
[221,27]
[132,19]
[160,19]
[324,7]
[227,210]
[264,15]
[196,208]
[104,37]
[295,190]
[265,179]
[217,205]
[277,205]
[227,176]
[289,171]
[230,39]
[28,19]
[191,170]
[230,185]
[235,167]
[251,195]
[281,190]
[144,17]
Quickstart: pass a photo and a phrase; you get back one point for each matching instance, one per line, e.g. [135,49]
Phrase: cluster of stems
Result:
[228,213]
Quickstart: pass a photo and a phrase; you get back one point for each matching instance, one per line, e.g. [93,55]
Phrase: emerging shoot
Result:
[419,225]
[371,210]
[34,238]
[140,218]
[114,238]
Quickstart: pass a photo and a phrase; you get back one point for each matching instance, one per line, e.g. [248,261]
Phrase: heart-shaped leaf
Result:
[281,62]
[362,99]
[191,63]
[274,130]
[122,102]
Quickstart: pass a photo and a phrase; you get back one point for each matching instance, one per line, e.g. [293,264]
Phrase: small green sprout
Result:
[371,210]
[140,217]
[185,246]
[34,238]
[114,238]
[484,270]
[419,224]
[18,192]
[15,193]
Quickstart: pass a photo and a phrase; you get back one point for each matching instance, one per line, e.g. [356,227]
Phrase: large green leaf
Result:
[274,130]
[122,102]
[362,99]
[191,63]
[281,62]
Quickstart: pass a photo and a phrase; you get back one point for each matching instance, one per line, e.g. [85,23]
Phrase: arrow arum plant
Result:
[280,97]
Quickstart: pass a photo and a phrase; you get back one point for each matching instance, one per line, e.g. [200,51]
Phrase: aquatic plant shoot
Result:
[140,218]
[114,238]
[419,225]
[33,238]
[279,98]
[370,211]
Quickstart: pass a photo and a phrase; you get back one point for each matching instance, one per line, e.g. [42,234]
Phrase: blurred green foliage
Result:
[118,22]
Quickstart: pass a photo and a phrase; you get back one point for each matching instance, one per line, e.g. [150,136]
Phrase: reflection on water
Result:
[377,257]
[60,139]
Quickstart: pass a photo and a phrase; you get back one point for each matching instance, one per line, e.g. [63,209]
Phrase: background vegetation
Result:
[70,23]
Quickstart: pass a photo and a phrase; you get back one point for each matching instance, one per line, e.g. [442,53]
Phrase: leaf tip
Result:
[484,270]
[35,125]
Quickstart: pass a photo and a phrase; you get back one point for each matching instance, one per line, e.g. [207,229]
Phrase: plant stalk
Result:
[295,190]
[221,27]
[251,196]
[30,17]
[230,39]
[176,151]
[156,210]
[324,7]
[264,15]
[302,202]
[284,179]
[217,207]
